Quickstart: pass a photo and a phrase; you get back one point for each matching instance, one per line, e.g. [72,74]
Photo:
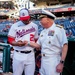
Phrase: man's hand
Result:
[38,49]
[26,42]
[20,43]
[59,67]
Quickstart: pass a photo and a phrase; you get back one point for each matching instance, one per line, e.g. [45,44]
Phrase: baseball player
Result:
[53,43]
[23,58]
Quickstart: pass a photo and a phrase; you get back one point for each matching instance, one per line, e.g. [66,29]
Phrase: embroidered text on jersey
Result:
[20,33]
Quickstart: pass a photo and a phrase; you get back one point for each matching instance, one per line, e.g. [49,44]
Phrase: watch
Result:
[28,43]
[62,61]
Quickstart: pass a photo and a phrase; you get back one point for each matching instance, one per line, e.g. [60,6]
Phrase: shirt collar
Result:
[52,27]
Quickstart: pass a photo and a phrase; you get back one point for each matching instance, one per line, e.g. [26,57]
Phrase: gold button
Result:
[43,54]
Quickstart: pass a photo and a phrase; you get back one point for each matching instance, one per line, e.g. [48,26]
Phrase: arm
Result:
[11,40]
[60,66]
[18,43]
[64,45]
[64,51]
[35,45]
[32,44]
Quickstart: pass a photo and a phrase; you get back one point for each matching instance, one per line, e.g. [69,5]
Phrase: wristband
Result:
[62,61]
[28,43]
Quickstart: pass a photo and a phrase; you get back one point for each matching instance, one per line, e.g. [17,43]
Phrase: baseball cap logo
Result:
[23,14]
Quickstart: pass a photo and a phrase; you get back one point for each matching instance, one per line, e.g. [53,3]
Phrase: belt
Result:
[49,55]
[26,52]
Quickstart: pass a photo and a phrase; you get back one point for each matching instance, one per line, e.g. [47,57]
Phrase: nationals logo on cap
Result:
[24,14]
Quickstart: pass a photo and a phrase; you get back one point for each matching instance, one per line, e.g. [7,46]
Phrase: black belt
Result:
[26,52]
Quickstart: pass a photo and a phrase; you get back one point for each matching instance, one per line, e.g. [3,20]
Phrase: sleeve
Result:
[63,37]
[36,33]
[12,32]
[39,40]
[10,39]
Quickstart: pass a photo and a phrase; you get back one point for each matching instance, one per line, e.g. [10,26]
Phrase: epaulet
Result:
[59,26]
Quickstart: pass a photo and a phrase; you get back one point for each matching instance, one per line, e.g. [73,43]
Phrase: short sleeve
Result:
[63,37]
[36,33]
[12,31]
[38,41]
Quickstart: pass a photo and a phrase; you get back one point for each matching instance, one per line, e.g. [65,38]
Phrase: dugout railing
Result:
[5,48]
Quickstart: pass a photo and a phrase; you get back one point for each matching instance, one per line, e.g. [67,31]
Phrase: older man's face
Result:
[44,22]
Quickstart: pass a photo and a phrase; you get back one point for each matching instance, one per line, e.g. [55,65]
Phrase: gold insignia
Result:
[59,26]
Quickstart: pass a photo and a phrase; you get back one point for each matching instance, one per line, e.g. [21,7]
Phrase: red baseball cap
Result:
[24,14]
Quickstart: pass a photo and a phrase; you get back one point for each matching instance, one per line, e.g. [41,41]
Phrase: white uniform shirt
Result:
[22,32]
[52,40]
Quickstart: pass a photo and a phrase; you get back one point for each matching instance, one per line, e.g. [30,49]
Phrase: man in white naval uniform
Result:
[23,58]
[53,43]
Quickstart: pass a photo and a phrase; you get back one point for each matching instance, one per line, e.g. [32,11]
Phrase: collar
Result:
[52,27]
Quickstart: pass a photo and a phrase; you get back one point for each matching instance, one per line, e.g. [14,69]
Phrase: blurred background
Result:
[9,14]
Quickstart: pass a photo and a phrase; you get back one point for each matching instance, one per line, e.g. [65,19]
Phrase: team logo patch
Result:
[51,33]
[23,14]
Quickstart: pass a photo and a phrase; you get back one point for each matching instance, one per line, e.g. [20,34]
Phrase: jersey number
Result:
[31,37]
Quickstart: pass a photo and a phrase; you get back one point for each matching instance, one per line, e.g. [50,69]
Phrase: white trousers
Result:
[48,65]
[23,62]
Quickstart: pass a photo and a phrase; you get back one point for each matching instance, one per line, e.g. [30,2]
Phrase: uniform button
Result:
[43,54]
[49,42]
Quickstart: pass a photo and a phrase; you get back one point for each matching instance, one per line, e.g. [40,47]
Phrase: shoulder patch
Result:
[59,26]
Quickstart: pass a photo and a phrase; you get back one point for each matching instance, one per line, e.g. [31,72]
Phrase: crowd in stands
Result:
[69,25]
[5,25]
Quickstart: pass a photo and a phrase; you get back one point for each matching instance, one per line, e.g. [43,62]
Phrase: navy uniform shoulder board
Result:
[59,26]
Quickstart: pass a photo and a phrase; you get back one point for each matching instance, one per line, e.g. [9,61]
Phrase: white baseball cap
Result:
[47,13]
[24,14]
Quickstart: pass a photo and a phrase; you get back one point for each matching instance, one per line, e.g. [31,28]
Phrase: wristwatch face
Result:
[61,61]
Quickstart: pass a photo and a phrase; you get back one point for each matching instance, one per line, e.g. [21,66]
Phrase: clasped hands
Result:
[22,43]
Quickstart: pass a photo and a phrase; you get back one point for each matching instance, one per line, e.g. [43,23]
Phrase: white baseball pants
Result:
[23,62]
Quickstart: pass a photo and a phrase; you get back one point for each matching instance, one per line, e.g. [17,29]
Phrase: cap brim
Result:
[45,15]
[42,16]
[49,14]
[25,18]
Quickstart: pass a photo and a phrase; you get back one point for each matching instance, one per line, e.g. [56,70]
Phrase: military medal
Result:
[51,33]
